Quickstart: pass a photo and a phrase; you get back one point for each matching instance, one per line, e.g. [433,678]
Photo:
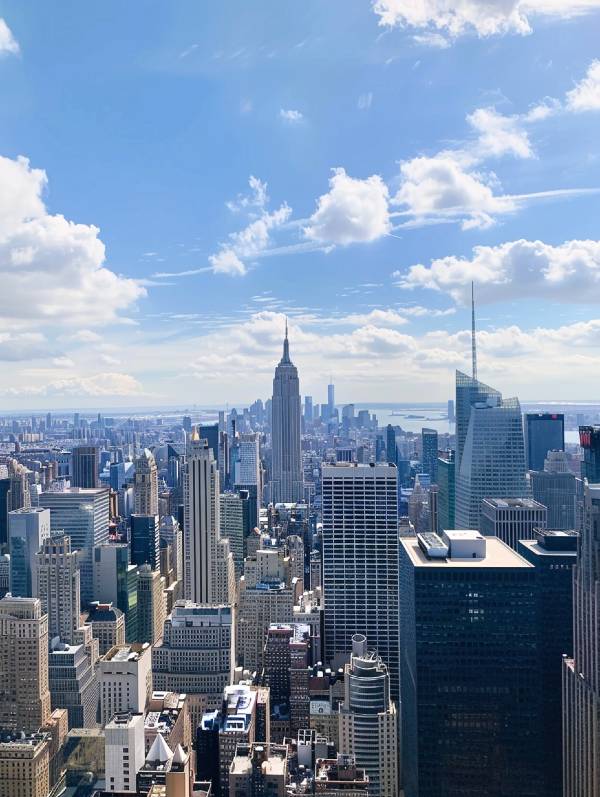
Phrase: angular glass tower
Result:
[286,478]
[490,449]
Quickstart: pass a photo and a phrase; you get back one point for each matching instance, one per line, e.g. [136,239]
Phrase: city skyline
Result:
[143,285]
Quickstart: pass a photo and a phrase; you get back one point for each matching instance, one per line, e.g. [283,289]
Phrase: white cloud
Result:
[8,44]
[15,346]
[227,262]
[290,115]
[52,270]
[585,96]
[248,243]
[101,385]
[431,39]
[499,134]
[481,17]
[365,101]
[377,317]
[515,270]
[440,187]
[353,211]
[85,336]
[258,197]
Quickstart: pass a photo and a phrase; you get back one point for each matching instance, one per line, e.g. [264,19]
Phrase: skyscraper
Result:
[512,519]
[58,587]
[28,529]
[360,560]
[544,431]
[558,493]
[210,433]
[390,444]
[330,400]
[429,445]
[589,439]
[196,655]
[368,719]
[446,491]
[554,554]
[14,494]
[471,694]
[490,449]
[115,581]
[581,674]
[145,489]
[308,408]
[151,605]
[24,690]
[83,514]
[84,467]
[286,476]
[145,540]
[208,564]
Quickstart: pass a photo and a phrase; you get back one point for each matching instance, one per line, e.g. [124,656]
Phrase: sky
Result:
[177,178]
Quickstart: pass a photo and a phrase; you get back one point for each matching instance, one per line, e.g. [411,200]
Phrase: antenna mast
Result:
[473,338]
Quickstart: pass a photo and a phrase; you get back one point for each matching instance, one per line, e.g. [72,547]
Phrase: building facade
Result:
[360,560]
[286,472]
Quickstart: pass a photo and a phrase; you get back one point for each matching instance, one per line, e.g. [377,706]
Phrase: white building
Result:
[84,515]
[196,655]
[125,680]
[58,587]
[124,752]
[368,719]
[208,565]
[360,561]
[145,489]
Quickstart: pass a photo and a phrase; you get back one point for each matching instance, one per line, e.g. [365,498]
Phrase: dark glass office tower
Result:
[145,540]
[470,688]
[429,443]
[390,444]
[211,433]
[589,439]
[446,490]
[554,554]
[558,493]
[544,431]
[84,467]
[581,674]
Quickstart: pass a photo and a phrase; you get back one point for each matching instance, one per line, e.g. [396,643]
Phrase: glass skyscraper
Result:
[490,449]
[544,431]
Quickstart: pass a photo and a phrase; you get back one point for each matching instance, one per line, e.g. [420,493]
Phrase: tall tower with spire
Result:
[286,473]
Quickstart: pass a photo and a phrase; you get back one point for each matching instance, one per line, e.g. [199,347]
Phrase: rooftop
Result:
[130,652]
[498,555]
[513,503]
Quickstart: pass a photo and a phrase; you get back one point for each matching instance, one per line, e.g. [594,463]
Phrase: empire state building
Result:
[286,478]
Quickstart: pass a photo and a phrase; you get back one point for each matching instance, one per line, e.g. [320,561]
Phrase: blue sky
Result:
[350,165]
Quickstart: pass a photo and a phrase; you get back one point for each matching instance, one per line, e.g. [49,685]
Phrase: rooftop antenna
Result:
[473,338]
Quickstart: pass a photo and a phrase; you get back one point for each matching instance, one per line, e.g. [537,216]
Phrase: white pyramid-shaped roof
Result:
[180,756]
[160,751]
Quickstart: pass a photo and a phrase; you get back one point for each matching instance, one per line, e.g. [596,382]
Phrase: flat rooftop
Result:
[130,652]
[498,554]
[513,503]
[539,550]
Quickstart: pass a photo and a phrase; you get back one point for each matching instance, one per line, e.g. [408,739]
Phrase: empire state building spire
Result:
[286,477]
[285,360]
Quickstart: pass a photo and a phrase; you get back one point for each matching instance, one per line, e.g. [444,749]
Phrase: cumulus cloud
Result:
[441,188]
[481,17]
[52,269]
[514,270]
[8,44]
[290,115]
[499,134]
[585,96]
[353,211]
